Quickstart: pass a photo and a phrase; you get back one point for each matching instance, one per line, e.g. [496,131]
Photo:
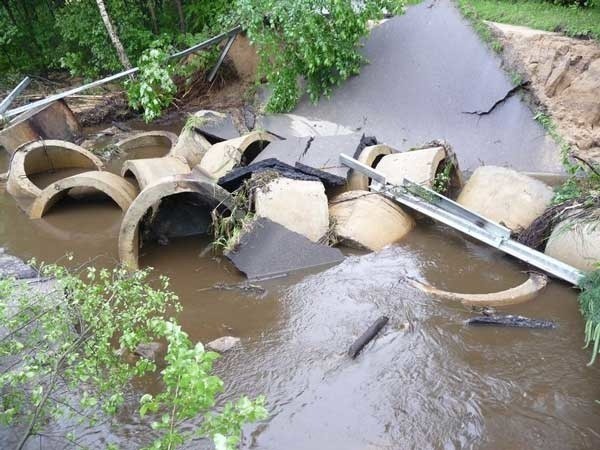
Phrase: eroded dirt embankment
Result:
[564,75]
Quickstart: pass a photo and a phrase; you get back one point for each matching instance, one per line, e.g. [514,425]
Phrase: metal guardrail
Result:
[13,94]
[208,43]
[444,210]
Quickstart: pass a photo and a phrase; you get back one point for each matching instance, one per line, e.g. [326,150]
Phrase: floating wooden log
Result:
[367,336]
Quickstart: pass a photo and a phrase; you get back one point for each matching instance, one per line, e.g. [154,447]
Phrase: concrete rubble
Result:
[296,189]
[214,126]
[298,205]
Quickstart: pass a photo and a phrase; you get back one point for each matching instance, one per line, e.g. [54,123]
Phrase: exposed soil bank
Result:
[564,75]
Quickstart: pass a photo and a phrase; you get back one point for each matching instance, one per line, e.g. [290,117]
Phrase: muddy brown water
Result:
[427,382]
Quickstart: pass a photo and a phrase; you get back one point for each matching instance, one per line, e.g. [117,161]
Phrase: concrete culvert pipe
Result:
[513,296]
[576,242]
[370,156]
[211,194]
[45,157]
[191,147]
[150,144]
[147,171]
[224,156]
[367,220]
[117,188]
[419,166]
[506,196]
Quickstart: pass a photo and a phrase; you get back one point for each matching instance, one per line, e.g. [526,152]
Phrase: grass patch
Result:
[539,14]
[484,32]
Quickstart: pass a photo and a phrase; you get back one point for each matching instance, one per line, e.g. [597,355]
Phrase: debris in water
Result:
[367,336]
[246,287]
[508,320]
[150,351]
[223,344]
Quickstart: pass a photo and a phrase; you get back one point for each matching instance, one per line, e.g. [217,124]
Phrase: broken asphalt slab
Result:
[426,69]
[318,156]
[13,267]
[269,250]
[216,127]
[234,179]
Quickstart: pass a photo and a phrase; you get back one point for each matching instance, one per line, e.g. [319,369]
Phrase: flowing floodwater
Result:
[428,381]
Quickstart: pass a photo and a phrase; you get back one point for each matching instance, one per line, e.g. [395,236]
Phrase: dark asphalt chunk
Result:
[217,128]
[234,179]
[269,250]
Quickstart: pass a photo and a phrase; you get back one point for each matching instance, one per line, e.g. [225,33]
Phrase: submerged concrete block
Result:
[224,156]
[223,344]
[506,196]
[52,121]
[370,156]
[45,156]
[418,166]
[367,220]
[268,249]
[300,206]
[577,243]
[117,188]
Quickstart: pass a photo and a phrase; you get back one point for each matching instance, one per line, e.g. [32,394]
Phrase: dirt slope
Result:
[565,80]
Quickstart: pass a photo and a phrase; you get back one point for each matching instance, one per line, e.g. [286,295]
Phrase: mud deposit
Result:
[427,381]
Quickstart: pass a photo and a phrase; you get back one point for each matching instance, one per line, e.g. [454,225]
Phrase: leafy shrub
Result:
[64,356]
[153,88]
[315,39]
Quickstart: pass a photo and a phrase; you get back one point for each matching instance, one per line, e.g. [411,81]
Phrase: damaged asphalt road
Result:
[426,68]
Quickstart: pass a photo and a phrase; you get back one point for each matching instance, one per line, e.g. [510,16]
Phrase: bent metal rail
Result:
[442,209]
[212,41]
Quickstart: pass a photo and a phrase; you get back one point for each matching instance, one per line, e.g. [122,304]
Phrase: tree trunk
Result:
[152,10]
[113,35]
[181,16]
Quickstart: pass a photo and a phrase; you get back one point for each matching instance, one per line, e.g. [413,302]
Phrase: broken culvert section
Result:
[143,209]
[49,157]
